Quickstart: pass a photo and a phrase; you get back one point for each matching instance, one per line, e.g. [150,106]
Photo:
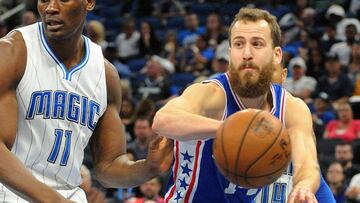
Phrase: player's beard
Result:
[245,85]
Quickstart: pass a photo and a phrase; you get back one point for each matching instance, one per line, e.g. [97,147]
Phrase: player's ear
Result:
[277,55]
[284,73]
[90,5]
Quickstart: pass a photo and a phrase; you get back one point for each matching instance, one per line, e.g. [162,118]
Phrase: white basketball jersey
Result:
[58,110]
[278,191]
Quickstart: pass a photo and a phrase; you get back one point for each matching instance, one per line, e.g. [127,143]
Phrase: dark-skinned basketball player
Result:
[193,118]
[57,93]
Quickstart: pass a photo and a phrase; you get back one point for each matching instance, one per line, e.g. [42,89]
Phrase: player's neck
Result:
[70,51]
[260,102]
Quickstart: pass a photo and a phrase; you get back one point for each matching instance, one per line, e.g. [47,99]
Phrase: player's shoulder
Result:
[295,106]
[208,97]
[13,55]
[12,42]
[208,90]
[293,101]
[113,84]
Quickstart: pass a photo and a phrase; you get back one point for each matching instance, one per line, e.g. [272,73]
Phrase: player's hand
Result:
[302,195]
[352,192]
[160,154]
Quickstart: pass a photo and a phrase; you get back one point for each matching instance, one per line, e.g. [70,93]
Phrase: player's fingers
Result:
[292,197]
[301,195]
[310,198]
[155,142]
[169,143]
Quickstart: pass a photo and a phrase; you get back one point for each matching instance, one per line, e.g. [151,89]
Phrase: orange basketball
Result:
[252,148]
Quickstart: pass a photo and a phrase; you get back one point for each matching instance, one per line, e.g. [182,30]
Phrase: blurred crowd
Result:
[159,47]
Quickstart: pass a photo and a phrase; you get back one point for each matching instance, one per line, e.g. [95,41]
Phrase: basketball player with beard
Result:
[193,118]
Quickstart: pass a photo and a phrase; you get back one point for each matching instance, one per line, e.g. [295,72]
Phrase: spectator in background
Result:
[143,136]
[307,19]
[354,8]
[346,128]
[150,193]
[202,55]
[171,47]
[192,30]
[336,13]
[127,115]
[354,67]
[96,32]
[343,49]
[344,155]
[336,84]
[145,108]
[28,18]
[93,195]
[353,191]
[299,84]
[127,42]
[156,84]
[316,64]
[329,37]
[322,113]
[215,32]
[167,8]
[3,28]
[335,178]
[122,69]
[149,44]
[220,63]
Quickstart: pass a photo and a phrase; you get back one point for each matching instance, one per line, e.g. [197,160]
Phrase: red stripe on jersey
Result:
[175,170]
[195,170]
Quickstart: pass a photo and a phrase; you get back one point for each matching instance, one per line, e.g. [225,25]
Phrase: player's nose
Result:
[247,53]
[52,7]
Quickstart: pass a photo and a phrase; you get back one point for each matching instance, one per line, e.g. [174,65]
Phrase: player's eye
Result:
[238,44]
[258,44]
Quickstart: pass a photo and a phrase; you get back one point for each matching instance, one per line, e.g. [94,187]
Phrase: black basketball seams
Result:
[261,155]
[242,140]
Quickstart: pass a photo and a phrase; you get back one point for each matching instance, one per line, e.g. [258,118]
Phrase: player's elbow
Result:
[159,123]
[102,178]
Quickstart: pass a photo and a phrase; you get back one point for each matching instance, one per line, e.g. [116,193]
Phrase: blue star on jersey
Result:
[186,156]
[178,196]
[183,183]
[186,170]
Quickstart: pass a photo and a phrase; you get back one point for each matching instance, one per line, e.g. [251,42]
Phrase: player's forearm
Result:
[124,173]
[307,177]
[305,163]
[183,126]
[14,175]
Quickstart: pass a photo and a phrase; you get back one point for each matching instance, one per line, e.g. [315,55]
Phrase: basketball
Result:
[252,148]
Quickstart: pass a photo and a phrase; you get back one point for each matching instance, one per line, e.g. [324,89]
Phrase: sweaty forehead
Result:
[258,28]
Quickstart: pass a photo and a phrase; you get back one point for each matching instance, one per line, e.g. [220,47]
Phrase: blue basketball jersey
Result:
[195,177]
[324,194]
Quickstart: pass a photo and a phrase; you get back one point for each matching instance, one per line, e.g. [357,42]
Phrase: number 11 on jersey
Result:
[59,134]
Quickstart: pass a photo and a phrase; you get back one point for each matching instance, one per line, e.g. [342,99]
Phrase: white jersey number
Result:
[231,189]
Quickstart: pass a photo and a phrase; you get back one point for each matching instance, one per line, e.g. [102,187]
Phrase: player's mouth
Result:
[53,24]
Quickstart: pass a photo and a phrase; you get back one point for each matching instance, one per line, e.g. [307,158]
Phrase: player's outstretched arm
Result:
[108,145]
[13,173]
[304,156]
[192,116]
